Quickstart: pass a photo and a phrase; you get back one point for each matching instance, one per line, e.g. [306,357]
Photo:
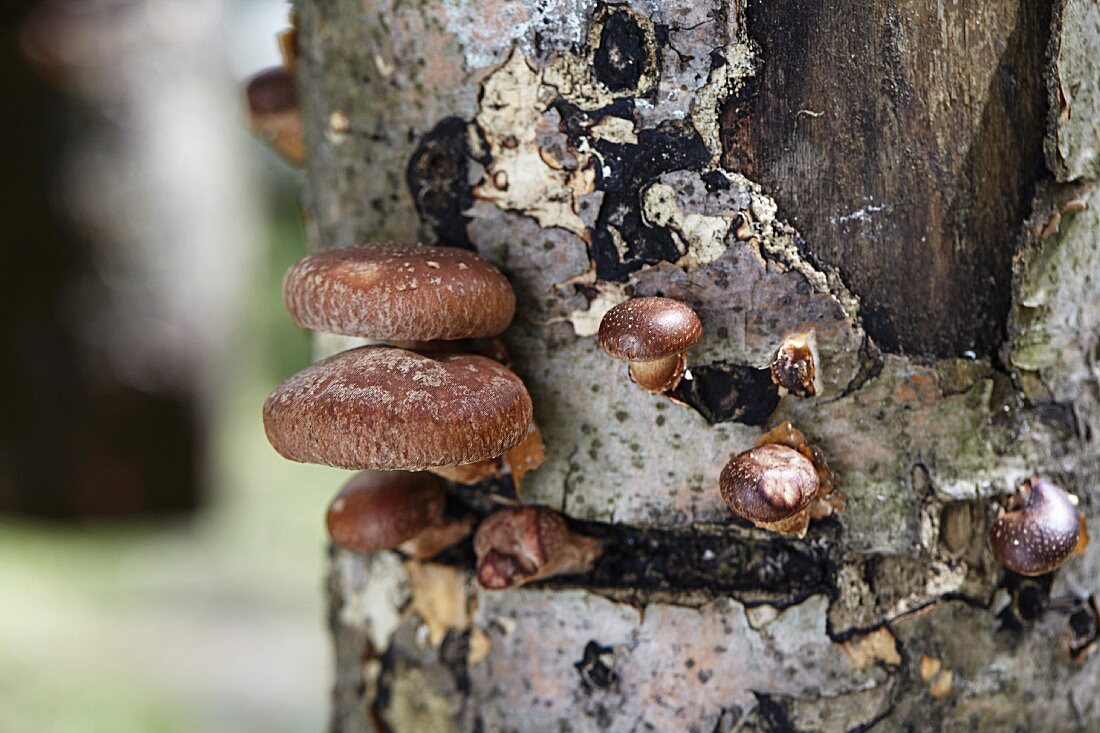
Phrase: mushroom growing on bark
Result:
[1039,531]
[392,408]
[397,291]
[385,408]
[781,484]
[381,510]
[794,368]
[653,334]
[275,115]
[519,545]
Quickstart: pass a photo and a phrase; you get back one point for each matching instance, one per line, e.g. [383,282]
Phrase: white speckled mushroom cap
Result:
[1041,535]
[650,328]
[386,408]
[399,291]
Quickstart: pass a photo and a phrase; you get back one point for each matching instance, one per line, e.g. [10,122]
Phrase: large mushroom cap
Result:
[768,483]
[1040,536]
[386,408]
[399,292]
[378,510]
[650,328]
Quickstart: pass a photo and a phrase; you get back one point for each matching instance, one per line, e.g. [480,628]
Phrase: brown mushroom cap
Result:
[1039,536]
[378,510]
[650,328]
[386,408]
[274,114]
[768,483]
[399,292]
[271,91]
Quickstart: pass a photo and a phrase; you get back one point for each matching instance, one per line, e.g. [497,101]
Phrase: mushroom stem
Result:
[660,375]
[522,544]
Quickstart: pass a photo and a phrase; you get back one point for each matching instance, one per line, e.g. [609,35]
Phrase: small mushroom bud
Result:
[1039,531]
[653,334]
[274,113]
[381,510]
[769,484]
[794,367]
[522,544]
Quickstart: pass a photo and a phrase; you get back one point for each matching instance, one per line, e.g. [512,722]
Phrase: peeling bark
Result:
[871,173]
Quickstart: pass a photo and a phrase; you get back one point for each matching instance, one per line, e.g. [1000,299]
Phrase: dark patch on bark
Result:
[729,393]
[674,145]
[770,715]
[916,178]
[774,570]
[1028,600]
[597,667]
[437,178]
[716,181]
[622,54]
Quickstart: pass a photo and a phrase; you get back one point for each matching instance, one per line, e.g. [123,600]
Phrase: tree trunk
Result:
[912,181]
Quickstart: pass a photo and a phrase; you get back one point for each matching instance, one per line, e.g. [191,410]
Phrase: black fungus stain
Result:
[597,667]
[1028,599]
[775,570]
[622,55]
[771,715]
[622,241]
[437,178]
[628,170]
[729,393]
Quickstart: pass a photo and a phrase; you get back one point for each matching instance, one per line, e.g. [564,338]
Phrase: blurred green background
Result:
[207,616]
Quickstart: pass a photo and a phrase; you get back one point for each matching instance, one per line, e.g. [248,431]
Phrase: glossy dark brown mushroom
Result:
[768,483]
[1039,531]
[653,334]
[523,544]
[383,510]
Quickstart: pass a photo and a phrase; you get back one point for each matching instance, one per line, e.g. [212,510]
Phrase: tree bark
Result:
[914,182]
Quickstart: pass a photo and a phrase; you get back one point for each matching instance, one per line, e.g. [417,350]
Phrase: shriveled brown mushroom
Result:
[768,483]
[781,484]
[382,510]
[397,291]
[794,368]
[385,408]
[275,115]
[1039,531]
[522,544]
[653,334]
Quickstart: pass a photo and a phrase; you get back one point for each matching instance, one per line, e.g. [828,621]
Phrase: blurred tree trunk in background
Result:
[131,223]
[913,181]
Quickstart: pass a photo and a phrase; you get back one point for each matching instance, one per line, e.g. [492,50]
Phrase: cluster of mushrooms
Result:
[433,398]
[438,401]
[427,401]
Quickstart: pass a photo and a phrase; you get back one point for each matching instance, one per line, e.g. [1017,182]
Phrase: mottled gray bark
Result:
[869,170]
